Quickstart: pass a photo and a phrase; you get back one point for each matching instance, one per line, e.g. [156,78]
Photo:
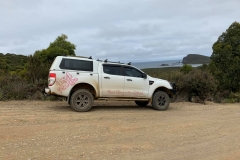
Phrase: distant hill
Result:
[12,61]
[196,59]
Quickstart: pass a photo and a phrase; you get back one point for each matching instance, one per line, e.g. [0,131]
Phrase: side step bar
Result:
[123,99]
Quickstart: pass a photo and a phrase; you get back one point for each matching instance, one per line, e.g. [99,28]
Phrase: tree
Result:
[62,43]
[35,69]
[197,83]
[226,58]
[38,65]
[59,47]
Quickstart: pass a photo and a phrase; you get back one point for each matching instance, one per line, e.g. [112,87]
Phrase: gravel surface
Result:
[44,130]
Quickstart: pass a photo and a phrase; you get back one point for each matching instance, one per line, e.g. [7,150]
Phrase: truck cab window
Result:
[112,69]
[132,72]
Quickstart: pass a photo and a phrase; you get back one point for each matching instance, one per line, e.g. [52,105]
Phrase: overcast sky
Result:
[135,30]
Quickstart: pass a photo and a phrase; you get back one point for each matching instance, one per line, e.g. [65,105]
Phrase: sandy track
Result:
[119,130]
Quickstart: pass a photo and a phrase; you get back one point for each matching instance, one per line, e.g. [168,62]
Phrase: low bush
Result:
[199,84]
[13,87]
[232,98]
[2,94]
[191,82]
[186,68]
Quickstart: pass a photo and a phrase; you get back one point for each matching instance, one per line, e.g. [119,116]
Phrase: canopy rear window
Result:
[79,65]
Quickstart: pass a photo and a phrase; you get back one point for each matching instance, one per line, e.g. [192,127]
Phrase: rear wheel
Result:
[81,100]
[141,103]
[160,100]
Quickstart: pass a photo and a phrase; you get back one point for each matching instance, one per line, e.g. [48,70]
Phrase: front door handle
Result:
[129,80]
[107,77]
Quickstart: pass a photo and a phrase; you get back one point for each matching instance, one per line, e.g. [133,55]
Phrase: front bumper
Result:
[173,92]
[174,89]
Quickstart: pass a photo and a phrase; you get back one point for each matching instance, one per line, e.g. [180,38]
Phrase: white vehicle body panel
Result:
[105,85]
[112,85]
[157,84]
[136,87]
[67,79]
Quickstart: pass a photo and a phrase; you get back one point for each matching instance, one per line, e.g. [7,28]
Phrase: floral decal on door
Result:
[65,82]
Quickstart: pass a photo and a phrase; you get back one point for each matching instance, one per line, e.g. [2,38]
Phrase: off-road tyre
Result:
[142,103]
[160,100]
[81,100]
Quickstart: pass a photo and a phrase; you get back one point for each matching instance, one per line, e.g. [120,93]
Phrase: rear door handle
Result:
[107,77]
[129,80]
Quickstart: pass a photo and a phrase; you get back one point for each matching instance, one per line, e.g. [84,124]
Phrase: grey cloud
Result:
[137,29]
[113,32]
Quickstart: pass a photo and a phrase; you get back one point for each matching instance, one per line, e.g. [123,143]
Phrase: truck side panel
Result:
[67,79]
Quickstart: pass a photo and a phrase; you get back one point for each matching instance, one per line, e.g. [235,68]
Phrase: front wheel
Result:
[81,100]
[160,100]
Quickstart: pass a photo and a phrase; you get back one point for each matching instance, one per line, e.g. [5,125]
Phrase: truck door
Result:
[112,81]
[135,85]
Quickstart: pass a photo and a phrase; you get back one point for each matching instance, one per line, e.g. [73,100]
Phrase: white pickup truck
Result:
[83,80]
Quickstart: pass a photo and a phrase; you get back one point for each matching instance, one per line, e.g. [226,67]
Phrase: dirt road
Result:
[119,130]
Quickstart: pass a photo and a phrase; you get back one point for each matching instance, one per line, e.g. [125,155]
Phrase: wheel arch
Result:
[86,86]
[161,88]
[164,89]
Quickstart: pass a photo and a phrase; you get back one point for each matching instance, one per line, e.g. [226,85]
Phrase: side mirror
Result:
[144,76]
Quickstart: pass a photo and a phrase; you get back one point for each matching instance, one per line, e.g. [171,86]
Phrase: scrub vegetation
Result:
[24,77]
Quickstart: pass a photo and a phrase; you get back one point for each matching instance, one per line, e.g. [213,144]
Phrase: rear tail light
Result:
[51,79]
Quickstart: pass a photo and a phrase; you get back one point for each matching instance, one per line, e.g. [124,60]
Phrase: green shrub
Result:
[232,98]
[198,83]
[2,94]
[221,95]
[15,88]
[186,68]
[36,96]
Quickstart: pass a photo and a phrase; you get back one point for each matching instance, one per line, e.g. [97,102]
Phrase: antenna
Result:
[120,60]
[129,63]
[90,57]
[106,60]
